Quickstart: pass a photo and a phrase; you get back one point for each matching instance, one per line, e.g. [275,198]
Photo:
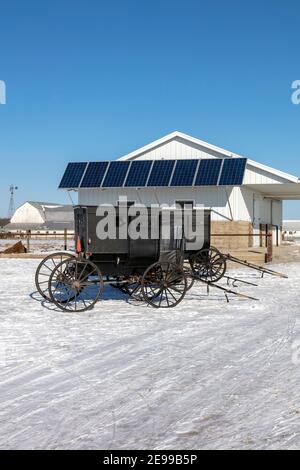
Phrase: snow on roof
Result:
[50,206]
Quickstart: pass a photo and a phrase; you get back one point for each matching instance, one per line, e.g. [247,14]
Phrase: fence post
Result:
[269,255]
[28,241]
[66,238]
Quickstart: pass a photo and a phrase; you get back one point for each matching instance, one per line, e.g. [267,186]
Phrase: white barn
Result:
[243,209]
[42,217]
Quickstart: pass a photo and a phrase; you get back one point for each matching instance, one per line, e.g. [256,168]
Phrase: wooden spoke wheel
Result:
[190,280]
[133,289]
[75,285]
[208,265]
[164,285]
[45,269]
[130,287]
[121,287]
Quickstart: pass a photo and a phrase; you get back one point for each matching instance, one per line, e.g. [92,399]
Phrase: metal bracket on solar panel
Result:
[83,175]
[149,174]
[105,173]
[172,174]
[221,169]
[128,169]
[196,172]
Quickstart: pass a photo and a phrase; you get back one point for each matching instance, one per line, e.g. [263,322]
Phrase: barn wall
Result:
[267,211]
[225,204]
[178,148]
[27,213]
[232,204]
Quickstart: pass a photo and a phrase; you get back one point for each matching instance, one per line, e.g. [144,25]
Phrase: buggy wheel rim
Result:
[75,286]
[209,265]
[44,271]
[164,286]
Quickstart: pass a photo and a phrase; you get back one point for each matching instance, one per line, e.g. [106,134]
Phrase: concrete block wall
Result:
[230,243]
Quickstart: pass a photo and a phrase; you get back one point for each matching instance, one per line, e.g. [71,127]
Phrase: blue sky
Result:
[90,80]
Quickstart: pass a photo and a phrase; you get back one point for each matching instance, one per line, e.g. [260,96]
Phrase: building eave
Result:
[280,191]
[273,171]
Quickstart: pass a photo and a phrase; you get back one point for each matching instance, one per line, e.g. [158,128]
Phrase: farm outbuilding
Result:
[291,230]
[244,196]
[42,217]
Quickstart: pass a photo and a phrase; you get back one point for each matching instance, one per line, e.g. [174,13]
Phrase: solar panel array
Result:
[154,173]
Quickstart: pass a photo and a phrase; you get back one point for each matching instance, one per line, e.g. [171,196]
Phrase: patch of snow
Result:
[205,375]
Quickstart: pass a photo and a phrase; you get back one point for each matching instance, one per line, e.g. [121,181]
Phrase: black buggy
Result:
[157,270]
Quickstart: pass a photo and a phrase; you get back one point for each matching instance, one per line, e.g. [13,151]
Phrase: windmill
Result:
[11,208]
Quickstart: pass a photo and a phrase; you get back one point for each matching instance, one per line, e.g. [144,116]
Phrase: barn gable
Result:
[28,211]
[177,146]
[182,146]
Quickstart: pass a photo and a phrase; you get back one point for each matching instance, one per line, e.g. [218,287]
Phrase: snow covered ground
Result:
[207,374]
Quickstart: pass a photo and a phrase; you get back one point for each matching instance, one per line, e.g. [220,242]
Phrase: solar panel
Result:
[184,173]
[208,172]
[73,175]
[138,173]
[161,173]
[116,175]
[94,175]
[233,171]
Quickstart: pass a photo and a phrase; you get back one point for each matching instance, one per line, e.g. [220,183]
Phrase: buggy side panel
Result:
[81,227]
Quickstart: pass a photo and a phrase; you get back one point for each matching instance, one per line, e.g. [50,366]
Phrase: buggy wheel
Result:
[119,286]
[133,289]
[164,285]
[190,280]
[44,271]
[208,265]
[75,285]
